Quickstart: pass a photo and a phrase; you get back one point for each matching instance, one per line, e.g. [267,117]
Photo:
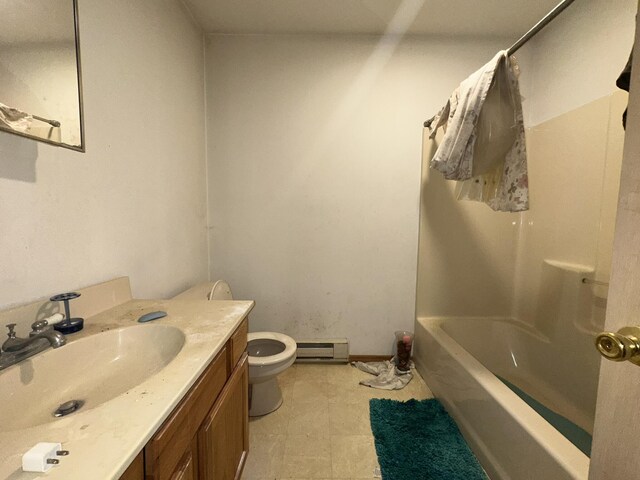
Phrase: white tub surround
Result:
[510,439]
[102,441]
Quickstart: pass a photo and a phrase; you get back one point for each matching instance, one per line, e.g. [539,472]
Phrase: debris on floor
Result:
[388,376]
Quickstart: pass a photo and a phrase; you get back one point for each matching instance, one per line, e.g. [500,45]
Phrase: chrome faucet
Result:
[15,349]
[15,344]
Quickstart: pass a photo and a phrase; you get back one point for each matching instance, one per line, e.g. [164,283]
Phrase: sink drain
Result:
[68,407]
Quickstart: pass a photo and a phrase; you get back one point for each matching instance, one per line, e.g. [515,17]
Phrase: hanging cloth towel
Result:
[624,83]
[484,145]
[14,118]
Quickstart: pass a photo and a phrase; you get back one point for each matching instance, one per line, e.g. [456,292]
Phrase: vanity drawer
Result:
[168,446]
[135,470]
[238,343]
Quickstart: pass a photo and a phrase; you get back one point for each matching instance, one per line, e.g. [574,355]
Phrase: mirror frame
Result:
[78,148]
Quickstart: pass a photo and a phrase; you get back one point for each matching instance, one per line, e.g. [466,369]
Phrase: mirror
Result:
[40,76]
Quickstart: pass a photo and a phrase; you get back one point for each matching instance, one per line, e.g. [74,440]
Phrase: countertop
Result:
[103,441]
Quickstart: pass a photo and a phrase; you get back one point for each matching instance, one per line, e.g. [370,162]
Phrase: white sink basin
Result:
[94,370]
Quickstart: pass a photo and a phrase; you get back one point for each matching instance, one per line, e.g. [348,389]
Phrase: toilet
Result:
[270,354]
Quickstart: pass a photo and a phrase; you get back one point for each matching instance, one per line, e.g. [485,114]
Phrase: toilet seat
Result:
[290,348]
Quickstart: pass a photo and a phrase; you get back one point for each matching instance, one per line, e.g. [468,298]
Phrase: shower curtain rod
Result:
[558,9]
[546,20]
[53,123]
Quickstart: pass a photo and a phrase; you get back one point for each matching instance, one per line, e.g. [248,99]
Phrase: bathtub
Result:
[462,360]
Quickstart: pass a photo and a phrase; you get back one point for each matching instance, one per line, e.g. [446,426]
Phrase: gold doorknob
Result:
[620,346]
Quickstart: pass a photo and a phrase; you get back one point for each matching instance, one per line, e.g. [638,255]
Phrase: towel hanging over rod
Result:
[53,123]
[14,114]
[546,20]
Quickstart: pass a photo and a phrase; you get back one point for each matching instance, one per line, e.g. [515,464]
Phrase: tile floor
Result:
[322,429]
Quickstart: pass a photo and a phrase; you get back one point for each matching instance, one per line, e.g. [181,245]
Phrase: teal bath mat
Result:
[418,440]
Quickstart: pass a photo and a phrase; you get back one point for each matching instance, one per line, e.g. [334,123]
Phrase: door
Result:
[615,452]
[223,440]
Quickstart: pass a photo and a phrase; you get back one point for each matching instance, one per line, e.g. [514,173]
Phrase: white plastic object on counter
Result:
[55,318]
[42,457]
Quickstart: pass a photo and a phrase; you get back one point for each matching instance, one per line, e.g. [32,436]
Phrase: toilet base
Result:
[266,397]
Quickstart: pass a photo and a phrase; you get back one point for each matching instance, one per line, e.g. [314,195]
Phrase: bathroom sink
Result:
[91,370]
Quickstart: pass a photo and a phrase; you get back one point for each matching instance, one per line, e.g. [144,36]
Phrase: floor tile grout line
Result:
[330,446]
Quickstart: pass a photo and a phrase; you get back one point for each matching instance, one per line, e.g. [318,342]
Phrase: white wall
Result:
[314,153]
[134,204]
[577,58]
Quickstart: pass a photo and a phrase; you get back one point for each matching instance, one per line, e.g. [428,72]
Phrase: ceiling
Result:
[503,18]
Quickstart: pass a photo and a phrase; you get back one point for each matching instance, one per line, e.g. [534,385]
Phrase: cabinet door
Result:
[223,440]
[165,452]
[187,468]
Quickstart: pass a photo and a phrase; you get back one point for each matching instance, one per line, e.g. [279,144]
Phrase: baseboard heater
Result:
[330,350]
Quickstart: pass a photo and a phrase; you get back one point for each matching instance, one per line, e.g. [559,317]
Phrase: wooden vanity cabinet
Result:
[206,437]
[223,440]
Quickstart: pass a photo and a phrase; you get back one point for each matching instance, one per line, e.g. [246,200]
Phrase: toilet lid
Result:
[220,291]
[290,348]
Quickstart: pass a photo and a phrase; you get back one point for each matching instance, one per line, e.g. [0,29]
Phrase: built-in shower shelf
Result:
[570,267]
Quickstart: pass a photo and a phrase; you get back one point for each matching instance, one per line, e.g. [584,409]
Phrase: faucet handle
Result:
[11,327]
[40,325]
